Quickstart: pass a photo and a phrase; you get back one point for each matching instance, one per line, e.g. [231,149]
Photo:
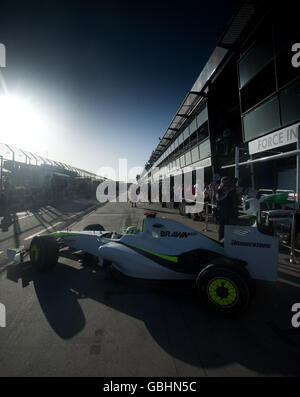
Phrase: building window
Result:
[285,70]
[256,58]
[195,154]
[259,88]
[193,126]
[175,144]
[193,138]
[182,161]
[204,149]
[203,131]
[261,120]
[290,103]
[180,139]
[186,134]
[202,117]
[188,158]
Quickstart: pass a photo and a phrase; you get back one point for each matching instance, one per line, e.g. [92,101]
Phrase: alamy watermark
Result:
[2,56]
[186,186]
[2,316]
[296,317]
[296,57]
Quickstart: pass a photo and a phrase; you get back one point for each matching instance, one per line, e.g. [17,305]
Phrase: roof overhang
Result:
[199,90]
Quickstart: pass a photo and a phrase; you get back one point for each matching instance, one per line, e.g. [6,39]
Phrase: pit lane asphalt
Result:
[18,228]
[81,321]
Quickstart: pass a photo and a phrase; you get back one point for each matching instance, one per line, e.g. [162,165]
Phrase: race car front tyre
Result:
[95,228]
[224,289]
[44,253]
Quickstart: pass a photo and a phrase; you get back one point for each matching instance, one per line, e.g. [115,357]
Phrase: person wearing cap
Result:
[227,204]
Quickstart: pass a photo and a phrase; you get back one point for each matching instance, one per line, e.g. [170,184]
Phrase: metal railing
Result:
[18,156]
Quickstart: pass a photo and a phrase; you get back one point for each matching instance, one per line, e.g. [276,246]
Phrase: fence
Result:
[28,180]
[17,157]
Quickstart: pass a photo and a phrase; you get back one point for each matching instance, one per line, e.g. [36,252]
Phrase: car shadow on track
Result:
[176,321]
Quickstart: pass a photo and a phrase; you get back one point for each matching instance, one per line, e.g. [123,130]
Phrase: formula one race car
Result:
[168,250]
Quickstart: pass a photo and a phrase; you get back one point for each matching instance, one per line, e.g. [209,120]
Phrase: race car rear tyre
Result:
[44,253]
[225,290]
[297,241]
[95,228]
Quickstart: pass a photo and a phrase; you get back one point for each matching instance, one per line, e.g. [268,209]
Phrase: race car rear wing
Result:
[259,250]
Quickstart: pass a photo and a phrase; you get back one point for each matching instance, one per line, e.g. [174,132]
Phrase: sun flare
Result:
[21,124]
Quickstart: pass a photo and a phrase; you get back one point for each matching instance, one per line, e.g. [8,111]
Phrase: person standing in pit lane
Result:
[227,205]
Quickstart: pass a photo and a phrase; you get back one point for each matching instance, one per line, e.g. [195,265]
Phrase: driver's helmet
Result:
[132,230]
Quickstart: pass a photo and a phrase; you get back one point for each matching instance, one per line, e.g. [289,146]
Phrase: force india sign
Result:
[276,139]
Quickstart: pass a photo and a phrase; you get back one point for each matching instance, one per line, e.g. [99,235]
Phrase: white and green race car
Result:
[164,249]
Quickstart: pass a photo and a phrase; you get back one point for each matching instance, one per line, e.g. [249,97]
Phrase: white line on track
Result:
[106,214]
[85,215]
[42,231]
[73,216]
[25,216]
[1,252]
[81,213]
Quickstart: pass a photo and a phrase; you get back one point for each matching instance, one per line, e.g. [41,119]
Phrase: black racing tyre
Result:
[225,289]
[96,228]
[44,253]
[297,241]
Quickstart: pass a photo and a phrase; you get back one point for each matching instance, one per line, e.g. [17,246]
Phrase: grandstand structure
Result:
[14,160]
[27,178]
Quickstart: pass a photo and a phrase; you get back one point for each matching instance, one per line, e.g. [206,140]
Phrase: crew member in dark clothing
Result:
[227,205]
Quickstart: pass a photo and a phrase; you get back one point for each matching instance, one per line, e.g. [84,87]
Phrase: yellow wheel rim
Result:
[222,292]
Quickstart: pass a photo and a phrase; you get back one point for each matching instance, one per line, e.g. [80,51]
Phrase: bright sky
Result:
[89,83]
